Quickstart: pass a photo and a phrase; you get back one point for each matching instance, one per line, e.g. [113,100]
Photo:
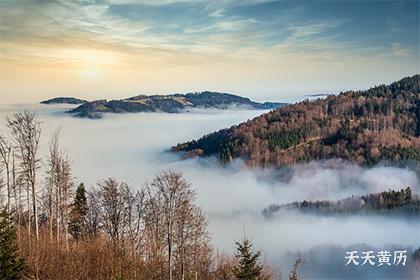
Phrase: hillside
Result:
[381,123]
[63,100]
[168,103]
[387,202]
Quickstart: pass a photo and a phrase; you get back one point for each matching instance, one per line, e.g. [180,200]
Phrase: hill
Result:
[168,103]
[381,123]
[387,202]
[63,100]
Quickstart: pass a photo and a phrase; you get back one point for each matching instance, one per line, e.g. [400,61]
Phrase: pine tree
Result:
[11,265]
[248,267]
[294,274]
[408,195]
[78,213]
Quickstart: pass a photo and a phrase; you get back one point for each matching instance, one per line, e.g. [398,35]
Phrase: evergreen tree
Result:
[408,195]
[294,274]
[248,267]
[77,226]
[10,264]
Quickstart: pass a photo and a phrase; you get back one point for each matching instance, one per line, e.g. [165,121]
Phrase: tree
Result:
[59,188]
[77,223]
[294,275]
[26,131]
[93,214]
[52,189]
[67,185]
[112,206]
[133,218]
[408,195]
[11,265]
[177,227]
[248,267]
[5,157]
[2,184]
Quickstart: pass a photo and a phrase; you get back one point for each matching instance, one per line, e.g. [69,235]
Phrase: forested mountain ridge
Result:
[63,100]
[172,103]
[402,202]
[365,127]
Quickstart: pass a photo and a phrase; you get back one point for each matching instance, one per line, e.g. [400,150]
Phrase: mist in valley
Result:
[132,148]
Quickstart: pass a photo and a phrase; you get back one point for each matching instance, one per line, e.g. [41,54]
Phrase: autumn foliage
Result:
[381,123]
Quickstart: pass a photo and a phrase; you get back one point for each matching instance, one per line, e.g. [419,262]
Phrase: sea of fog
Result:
[131,148]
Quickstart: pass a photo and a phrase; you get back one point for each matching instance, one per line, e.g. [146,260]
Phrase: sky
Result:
[265,50]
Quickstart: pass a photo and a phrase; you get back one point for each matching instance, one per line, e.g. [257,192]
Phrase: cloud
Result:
[253,47]
[310,30]
[224,25]
[141,25]
[400,50]
[129,147]
[217,13]
[146,2]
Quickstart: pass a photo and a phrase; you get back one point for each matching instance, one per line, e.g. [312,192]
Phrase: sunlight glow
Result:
[91,73]
[89,61]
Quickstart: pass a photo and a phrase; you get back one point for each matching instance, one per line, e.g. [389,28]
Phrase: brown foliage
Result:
[382,123]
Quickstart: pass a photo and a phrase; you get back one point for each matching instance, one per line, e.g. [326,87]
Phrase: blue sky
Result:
[262,49]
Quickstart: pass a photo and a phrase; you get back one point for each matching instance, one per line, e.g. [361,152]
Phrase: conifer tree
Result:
[294,274]
[77,226]
[248,267]
[11,265]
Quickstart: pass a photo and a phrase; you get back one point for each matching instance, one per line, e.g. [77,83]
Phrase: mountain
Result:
[168,103]
[381,123]
[387,202]
[63,100]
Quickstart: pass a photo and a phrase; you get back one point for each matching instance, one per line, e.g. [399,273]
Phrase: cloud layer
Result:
[131,148]
[261,49]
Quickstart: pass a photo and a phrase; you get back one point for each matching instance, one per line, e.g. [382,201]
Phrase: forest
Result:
[173,103]
[402,202]
[52,227]
[366,127]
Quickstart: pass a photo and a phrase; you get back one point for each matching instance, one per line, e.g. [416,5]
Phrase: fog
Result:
[131,148]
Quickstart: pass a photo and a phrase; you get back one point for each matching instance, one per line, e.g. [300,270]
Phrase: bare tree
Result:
[112,208]
[5,157]
[59,189]
[66,188]
[134,214]
[170,199]
[26,131]
[2,184]
[52,185]
[93,214]
[196,245]
[155,232]
[17,192]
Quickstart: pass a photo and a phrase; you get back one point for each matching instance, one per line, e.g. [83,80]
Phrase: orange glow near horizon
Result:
[115,50]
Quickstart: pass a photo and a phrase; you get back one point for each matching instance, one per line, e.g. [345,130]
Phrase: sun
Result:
[89,63]
[90,73]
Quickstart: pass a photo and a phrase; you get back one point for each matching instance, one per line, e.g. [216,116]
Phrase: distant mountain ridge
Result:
[63,100]
[173,103]
[381,123]
[387,202]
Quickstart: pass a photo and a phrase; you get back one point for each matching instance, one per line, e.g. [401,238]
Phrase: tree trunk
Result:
[57,216]
[50,206]
[65,219]
[170,250]
[8,186]
[183,264]
[35,210]
[28,199]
